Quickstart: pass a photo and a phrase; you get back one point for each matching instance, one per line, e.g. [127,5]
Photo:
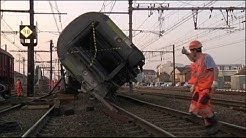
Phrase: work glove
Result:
[192,88]
[214,86]
[184,51]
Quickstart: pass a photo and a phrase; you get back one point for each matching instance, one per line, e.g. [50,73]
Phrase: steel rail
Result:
[156,131]
[32,132]
[227,127]
[237,105]
[10,108]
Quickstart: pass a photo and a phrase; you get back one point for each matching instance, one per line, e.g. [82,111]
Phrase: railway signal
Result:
[27,33]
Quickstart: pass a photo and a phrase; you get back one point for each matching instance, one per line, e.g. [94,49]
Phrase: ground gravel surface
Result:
[225,114]
[89,123]
[25,118]
[185,91]
[96,123]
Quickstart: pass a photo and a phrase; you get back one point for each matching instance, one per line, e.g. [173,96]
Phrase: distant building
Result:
[226,71]
[238,81]
[230,76]
[149,76]
[168,67]
[166,70]
[182,74]
[163,77]
[225,67]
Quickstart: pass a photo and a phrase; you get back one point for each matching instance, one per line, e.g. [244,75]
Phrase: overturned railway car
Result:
[98,54]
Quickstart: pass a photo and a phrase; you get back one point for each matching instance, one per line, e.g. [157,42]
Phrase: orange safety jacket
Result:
[18,85]
[193,77]
[204,77]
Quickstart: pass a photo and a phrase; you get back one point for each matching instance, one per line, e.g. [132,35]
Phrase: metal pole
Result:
[59,73]
[23,78]
[51,46]
[130,34]
[0,25]
[30,74]
[173,66]
[19,62]
[130,20]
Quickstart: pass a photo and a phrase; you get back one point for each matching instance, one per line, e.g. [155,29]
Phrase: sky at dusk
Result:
[226,46]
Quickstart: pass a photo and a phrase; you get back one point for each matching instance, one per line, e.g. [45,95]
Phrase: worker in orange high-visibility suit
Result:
[19,88]
[203,78]
[193,77]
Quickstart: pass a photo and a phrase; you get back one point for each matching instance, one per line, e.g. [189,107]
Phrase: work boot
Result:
[214,127]
[192,118]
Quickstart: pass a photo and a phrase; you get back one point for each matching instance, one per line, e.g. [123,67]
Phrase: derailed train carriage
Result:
[98,54]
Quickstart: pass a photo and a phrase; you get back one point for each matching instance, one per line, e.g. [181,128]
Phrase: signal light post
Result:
[30,69]
[28,34]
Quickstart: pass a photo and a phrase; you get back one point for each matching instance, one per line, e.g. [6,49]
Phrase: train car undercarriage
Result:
[98,54]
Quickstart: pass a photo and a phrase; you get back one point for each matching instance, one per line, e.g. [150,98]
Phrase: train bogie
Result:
[98,54]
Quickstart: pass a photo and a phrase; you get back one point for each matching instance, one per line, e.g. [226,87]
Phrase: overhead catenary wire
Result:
[154,38]
[152,28]
[7,38]
[183,20]
[51,7]
[206,34]
[180,40]
[209,39]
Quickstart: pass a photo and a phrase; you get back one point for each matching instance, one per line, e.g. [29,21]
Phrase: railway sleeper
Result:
[144,136]
[165,119]
[167,123]
[133,128]
[187,133]
[138,132]
[181,128]
[130,123]
[46,131]
[45,135]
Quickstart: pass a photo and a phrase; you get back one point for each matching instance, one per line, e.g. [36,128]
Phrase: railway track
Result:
[146,123]
[17,102]
[162,121]
[185,89]
[16,118]
[16,122]
[43,126]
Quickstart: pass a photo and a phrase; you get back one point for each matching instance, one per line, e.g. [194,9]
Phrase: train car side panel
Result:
[6,72]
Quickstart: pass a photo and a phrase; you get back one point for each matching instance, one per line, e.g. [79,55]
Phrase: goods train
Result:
[6,73]
[98,54]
